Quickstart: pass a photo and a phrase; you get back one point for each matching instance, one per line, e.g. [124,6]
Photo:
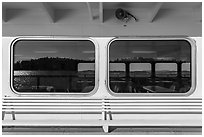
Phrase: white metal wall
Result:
[138,29]
[77,23]
[102,91]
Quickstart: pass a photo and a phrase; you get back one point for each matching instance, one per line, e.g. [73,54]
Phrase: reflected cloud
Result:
[46,51]
[91,58]
[143,52]
[91,51]
[25,58]
[18,55]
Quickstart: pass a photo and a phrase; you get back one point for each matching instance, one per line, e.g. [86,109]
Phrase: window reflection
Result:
[117,74]
[140,70]
[151,66]
[166,69]
[54,66]
[186,68]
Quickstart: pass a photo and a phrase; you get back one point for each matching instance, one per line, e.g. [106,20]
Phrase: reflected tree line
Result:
[69,64]
[142,59]
[51,63]
[38,82]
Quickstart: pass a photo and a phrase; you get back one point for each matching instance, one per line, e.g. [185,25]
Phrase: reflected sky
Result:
[163,49]
[186,67]
[140,67]
[154,49]
[166,66]
[147,67]
[86,66]
[26,50]
[117,67]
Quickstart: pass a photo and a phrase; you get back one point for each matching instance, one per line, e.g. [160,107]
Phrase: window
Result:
[166,69]
[140,70]
[117,70]
[186,69]
[117,75]
[151,66]
[53,66]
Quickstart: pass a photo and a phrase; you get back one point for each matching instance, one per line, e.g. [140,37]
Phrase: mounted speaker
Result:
[123,14]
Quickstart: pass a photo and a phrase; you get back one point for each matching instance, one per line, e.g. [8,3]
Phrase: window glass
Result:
[140,70]
[117,75]
[186,77]
[117,69]
[166,69]
[151,66]
[53,66]
[186,68]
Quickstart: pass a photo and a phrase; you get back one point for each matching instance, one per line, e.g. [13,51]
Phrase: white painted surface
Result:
[74,19]
[102,91]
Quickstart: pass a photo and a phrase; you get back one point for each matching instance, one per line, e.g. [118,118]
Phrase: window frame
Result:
[193,67]
[12,45]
